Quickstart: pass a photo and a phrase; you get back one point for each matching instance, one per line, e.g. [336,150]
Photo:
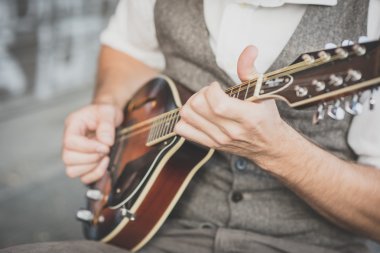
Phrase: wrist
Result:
[289,150]
[106,99]
[103,99]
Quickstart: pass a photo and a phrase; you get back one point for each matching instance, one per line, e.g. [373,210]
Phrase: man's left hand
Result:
[212,118]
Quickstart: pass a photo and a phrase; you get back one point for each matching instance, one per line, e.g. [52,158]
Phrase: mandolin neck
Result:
[316,77]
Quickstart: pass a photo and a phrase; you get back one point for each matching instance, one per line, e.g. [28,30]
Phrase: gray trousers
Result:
[188,237]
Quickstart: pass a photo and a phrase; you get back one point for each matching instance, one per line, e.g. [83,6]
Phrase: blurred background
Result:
[48,54]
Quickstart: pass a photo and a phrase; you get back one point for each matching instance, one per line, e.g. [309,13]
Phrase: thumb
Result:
[107,121]
[246,63]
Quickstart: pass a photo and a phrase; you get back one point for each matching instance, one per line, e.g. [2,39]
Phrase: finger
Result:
[197,112]
[80,123]
[106,124]
[223,106]
[79,170]
[192,134]
[202,124]
[71,158]
[246,63]
[83,144]
[96,173]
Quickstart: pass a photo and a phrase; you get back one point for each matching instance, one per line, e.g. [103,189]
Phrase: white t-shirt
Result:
[232,25]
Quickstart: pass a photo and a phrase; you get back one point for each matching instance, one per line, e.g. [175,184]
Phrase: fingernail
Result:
[102,149]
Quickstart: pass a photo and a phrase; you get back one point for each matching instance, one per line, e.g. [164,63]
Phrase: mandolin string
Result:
[230,91]
[147,123]
[138,131]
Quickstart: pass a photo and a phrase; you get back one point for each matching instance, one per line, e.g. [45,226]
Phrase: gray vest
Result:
[230,191]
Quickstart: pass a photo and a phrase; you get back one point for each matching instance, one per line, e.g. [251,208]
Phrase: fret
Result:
[173,121]
[246,91]
[165,127]
[162,126]
[238,93]
[158,129]
[167,124]
[152,131]
[259,82]
[230,92]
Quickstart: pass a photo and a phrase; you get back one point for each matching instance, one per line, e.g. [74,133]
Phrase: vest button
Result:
[241,164]
[237,197]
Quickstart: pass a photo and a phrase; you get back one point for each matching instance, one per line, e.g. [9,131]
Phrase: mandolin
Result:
[150,166]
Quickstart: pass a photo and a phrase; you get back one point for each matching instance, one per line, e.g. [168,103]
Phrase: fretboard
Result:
[162,127]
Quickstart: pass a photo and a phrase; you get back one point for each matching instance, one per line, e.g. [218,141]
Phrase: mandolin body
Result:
[143,183]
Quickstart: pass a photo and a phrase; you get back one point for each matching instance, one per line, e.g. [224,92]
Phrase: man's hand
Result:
[89,133]
[212,118]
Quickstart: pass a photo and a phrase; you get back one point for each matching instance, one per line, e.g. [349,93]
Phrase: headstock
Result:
[325,78]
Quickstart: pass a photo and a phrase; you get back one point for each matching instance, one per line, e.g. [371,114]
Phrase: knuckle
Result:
[67,142]
[98,157]
[184,112]
[220,109]
[106,110]
[85,180]
[70,173]
[65,157]
[178,127]
[235,134]
[98,173]
[223,141]
[196,102]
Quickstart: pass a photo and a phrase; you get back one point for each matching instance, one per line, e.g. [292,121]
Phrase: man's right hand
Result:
[89,133]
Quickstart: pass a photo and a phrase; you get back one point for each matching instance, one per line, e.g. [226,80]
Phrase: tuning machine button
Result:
[354,107]
[308,59]
[353,75]
[300,91]
[324,56]
[94,194]
[127,214]
[85,215]
[335,111]
[319,114]
[319,85]
[359,49]
[336,80]
[341,53]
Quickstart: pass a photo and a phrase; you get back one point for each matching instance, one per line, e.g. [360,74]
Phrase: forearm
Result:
[119,77]
[346,193]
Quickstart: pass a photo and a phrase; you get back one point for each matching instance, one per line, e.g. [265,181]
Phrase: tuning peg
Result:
[359,49]
[94,194]
[308,59]
[319,114]
[372,101]
[85,215]
[336,80]
[354,107]
[319,85]
[353,75]
[335,111]
[341,53]
[301,91]
[324,56]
